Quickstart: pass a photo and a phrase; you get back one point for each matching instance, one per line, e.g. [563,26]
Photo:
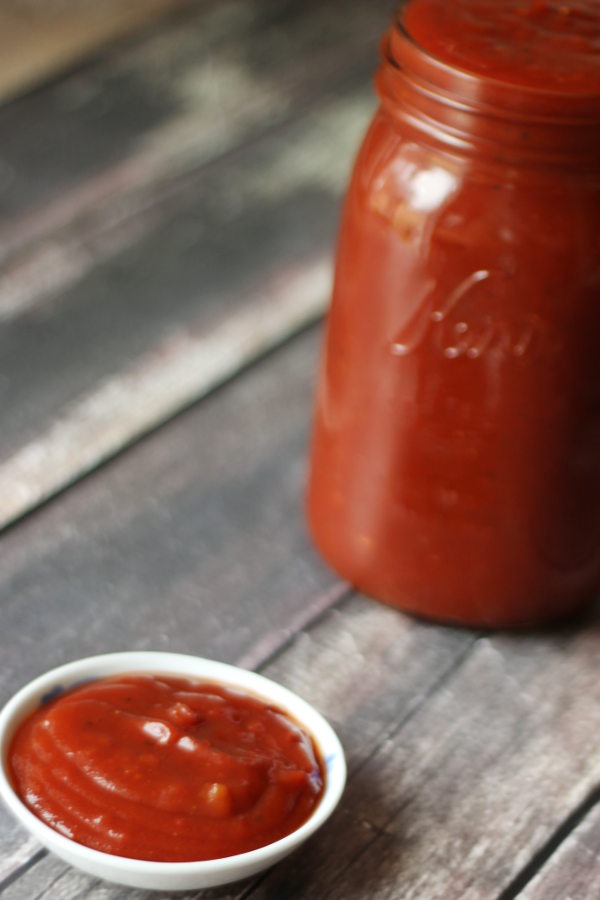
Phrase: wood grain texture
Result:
[125,256]
[193,539]
[460,799]
[39,39]
[107,137]
[242,262]
[178,372]
[573,872]
[51,879]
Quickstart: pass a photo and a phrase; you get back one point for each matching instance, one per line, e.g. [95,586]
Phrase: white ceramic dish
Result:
[171,876]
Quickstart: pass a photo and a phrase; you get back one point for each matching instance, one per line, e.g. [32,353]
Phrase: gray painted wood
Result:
[368,669]
[463,796]
[573,871]
[172,101]
[124,239]
[52,879]
[192,540]
[240,263]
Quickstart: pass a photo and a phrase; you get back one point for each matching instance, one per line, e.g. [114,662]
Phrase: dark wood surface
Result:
[167,225]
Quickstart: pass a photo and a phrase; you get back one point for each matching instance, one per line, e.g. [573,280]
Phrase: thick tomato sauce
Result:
[535,43]
[162,768]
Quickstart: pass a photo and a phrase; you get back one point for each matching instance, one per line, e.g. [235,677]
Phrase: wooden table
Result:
[168,215]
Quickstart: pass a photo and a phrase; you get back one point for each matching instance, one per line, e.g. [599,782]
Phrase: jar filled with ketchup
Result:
[455,467]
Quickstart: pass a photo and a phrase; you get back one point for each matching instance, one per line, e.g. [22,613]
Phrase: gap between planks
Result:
[271,645]
[544,855]
[573,871]
[15,873]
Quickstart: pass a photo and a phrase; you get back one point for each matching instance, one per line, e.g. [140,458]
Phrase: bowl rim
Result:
[35,692]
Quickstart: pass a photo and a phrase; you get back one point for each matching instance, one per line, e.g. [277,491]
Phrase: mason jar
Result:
[455,464]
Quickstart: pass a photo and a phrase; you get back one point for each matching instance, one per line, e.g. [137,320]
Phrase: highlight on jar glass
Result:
[158,770]
[455,463]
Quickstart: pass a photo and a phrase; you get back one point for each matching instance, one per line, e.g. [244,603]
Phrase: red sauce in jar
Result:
[167,769]
[455,466]
[538,43]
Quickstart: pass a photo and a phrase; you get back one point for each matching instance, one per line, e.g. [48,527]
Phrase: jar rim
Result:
[478,117]
[476,89]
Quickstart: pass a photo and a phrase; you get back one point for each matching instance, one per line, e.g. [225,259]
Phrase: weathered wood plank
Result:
[192,539]
[18,848]
[52,879]
[463,795]
[108,135]
[178,372]
[573,871]
[344,660]
[39,39]
[239,264]
[119,249]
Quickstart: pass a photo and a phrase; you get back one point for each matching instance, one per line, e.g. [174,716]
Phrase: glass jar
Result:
[455,467]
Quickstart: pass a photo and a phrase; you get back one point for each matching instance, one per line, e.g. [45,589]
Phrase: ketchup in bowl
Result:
[172,769]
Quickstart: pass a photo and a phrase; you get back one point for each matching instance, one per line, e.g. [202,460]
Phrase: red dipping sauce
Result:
[455,467]
[165,769]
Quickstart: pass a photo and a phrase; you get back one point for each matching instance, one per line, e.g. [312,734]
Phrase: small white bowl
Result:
[171,876]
